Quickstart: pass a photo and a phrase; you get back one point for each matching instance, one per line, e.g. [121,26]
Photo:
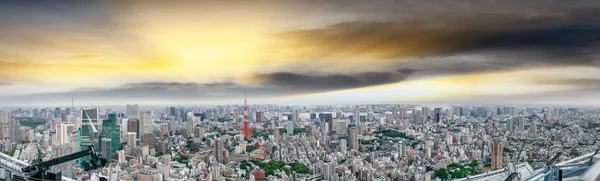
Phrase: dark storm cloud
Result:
[275,84]
[332,81]
[460,44]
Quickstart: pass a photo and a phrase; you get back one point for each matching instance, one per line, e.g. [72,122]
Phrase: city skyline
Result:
[306,53]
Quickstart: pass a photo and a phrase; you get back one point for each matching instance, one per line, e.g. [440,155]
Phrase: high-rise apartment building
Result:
[353,137]
[146,122]
[497,149]
[5,120]
[133,111]
[403,112]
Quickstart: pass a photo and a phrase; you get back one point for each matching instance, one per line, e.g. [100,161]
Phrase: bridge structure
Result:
[574,167]
[11,168]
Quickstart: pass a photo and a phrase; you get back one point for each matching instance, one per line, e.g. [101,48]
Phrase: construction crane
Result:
[40,170]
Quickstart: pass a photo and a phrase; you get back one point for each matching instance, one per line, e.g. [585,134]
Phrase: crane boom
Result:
[39,170]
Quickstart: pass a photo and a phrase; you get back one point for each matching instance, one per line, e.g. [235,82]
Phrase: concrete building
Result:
[289,127]
[133,126]
[258,116]
[106,151]
[133,111]
[5,120]
[353,138]
[146,122]
[497,150]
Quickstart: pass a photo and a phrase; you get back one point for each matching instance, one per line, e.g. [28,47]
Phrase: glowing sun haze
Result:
[290,52]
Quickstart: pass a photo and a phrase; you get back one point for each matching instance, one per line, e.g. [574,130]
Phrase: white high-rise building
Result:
[133,111]
[5,119]
[131,140]
[146,122]
[290,127]
[62,133]
[236,115]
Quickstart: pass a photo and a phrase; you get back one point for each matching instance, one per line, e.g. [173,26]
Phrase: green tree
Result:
[575,152]
[442,173]
[250,148]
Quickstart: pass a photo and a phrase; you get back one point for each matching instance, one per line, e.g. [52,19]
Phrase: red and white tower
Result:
[246,129]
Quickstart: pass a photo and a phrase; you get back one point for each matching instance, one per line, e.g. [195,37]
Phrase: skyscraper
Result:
[289,127]
[133,126]
[353,137]
[356,114]
[218,152]
[403,112]
[329,121]
[497,149]
[236,115]
[110,131]
[5,120]
[395,112]
[132,111]
[258,116]
[106,150]
[131,140]
[437,114]
[295,116]
[146,122]
[89,133]
[15,132]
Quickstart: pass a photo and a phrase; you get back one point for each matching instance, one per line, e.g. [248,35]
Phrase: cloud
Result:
[452,45]
[273,85]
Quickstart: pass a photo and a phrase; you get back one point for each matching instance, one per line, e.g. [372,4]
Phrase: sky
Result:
[299,52]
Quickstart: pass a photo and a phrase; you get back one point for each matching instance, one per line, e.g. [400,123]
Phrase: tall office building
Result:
[5,120]
[403,112]
[89,130]
[62,133]
[106,149]
[329,121]
[218,150]
[520,124]
[356,114]
[497,149]
[133,111]
[146,122]
[15,132]
[133,125]
[258,116]
[236,114]
[289,127]
[437,114]
[353,137]
[395,112]
[426,111]
[111,131]
[131,142]
[295,116]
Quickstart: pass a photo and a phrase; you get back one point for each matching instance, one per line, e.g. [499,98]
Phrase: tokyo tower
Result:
[246,129]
